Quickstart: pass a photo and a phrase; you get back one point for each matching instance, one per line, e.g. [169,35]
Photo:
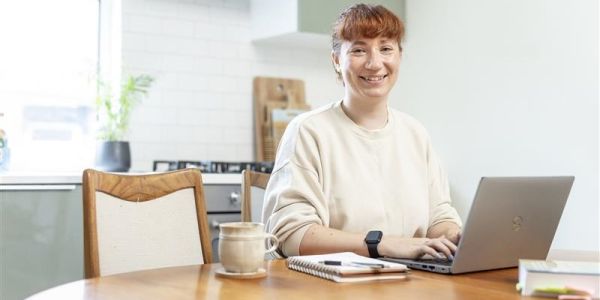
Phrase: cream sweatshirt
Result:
[332,172]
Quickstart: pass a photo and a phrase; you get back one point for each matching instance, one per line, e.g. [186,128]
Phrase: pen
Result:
[352,263]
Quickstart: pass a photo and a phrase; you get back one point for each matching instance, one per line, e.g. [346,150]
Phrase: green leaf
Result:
[114,114]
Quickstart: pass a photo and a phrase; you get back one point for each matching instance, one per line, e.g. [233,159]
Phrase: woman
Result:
[357,175]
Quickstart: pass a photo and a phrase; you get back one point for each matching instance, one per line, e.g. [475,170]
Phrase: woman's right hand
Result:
[413,248]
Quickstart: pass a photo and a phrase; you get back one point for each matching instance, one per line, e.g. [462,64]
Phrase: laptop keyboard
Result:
[443,262]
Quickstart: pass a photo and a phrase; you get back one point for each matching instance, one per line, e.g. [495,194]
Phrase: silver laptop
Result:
[510,218]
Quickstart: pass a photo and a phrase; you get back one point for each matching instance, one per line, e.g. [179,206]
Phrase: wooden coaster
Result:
[259,274]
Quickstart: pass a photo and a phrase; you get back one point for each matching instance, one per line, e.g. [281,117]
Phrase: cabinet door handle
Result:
[37,187]
[234,198]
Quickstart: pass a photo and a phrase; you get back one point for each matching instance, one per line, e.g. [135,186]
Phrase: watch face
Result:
[373,237]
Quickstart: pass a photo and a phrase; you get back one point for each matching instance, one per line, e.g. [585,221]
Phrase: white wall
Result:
[203,60]
[509,88]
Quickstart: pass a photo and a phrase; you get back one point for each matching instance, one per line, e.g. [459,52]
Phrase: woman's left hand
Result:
[449,230]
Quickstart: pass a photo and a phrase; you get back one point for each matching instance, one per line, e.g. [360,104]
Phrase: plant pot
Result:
[113,156]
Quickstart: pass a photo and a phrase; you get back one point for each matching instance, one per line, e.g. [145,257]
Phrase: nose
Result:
[374,62]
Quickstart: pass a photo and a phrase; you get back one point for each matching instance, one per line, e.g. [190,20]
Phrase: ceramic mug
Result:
[242,246]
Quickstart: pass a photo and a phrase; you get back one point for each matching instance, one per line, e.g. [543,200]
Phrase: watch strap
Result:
[373,250]
[372,240]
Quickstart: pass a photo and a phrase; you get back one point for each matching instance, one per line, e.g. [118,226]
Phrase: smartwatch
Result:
[372,239]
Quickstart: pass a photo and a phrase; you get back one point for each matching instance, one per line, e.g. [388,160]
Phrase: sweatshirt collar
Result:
[361,131]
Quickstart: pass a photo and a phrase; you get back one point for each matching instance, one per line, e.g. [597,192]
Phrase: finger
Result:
[450,245]
[448,248]
[427,250]
[439,245]
[455,236]
[452,249]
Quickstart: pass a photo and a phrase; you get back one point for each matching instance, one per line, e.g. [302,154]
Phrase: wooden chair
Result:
[253,190]
[137,222]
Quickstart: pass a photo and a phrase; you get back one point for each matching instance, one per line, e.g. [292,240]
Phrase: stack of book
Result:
[555,278]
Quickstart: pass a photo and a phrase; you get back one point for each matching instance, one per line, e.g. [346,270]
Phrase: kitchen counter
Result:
[19,178]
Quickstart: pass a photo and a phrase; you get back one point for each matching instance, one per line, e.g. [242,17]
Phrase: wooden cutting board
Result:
[271,93]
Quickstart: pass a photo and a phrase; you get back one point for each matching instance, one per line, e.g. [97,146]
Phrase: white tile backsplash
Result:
[194,82]
[192,150]
[194,11]
[179,63]
[223,152]
[201,55]
[177,27]
[207,31]
[133,41]
[142,24]
[155,8]
[223,49]
[209,66]
[193,117]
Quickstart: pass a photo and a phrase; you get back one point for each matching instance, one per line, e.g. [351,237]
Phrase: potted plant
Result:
[113,153]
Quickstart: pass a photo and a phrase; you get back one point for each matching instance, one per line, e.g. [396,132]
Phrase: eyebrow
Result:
[362,43]
[359,42]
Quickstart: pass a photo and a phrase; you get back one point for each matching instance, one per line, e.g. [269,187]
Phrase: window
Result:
[48,67]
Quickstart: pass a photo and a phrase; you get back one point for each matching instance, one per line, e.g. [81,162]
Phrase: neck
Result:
[368,113]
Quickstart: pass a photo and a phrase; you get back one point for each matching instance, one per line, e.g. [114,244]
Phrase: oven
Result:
[223,204]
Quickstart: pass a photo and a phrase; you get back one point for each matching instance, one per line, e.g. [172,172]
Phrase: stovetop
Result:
[207,166]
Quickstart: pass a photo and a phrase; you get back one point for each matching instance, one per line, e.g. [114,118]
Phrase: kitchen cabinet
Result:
[303,23]
[41,237]
[41,228]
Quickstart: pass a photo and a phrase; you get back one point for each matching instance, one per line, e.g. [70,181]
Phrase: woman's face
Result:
[369,67]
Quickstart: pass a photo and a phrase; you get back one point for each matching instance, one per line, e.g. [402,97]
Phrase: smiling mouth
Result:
[374,78]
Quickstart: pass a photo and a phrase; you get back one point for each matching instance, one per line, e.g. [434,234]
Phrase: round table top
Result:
[201,281]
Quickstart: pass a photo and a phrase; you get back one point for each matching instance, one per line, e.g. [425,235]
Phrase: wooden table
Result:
[200,282]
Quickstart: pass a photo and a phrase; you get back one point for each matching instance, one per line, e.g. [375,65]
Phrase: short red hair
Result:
[366,21]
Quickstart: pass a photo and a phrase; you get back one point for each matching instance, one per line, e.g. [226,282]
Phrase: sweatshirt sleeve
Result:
[294,199]
[440,208]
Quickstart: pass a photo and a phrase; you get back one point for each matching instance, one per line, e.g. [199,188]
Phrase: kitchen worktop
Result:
[16,178]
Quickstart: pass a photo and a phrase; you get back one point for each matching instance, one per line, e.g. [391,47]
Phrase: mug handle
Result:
[274,240]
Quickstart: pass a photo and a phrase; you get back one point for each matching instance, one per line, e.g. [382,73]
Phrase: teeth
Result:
[373,78]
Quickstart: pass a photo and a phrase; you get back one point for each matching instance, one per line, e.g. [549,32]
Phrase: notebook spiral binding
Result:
[316,269]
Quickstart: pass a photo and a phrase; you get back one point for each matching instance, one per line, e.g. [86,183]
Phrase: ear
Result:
[335,59]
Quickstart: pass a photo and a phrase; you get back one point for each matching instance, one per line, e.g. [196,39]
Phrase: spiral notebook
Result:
[347,267]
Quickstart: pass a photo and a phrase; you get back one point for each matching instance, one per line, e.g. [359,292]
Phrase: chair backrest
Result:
[253,190]
[137,222]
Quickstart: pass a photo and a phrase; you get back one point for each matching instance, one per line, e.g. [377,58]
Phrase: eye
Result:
[358,51]
[387,49]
